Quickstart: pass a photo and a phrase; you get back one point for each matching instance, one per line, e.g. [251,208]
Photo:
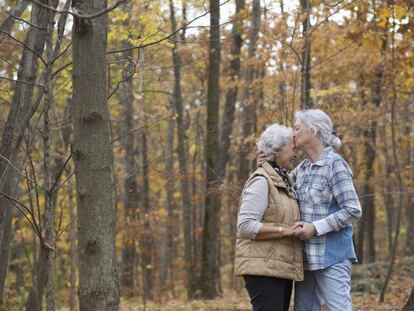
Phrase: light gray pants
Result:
[331,285]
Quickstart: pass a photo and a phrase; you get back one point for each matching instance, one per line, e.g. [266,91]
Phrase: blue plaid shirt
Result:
[328,199]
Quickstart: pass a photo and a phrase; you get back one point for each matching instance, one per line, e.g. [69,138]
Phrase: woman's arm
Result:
[344,193]
[252,208]
[268,232]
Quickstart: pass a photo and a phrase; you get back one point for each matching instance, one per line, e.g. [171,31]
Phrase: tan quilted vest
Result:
[280,257]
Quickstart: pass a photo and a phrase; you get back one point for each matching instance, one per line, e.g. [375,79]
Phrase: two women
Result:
[328,205]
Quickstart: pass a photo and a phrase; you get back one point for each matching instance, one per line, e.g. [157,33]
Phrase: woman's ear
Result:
[315,131]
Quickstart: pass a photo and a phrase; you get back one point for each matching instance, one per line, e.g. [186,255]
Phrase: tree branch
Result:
[77,15]
[26,22]
[170,35]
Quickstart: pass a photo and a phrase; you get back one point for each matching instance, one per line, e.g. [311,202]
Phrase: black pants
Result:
[268,293]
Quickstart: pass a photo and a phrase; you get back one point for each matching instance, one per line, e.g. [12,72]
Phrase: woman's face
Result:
[286,156]
[301,135]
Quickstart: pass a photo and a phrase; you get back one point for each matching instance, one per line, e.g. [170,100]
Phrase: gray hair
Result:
[273,139]
[316,120]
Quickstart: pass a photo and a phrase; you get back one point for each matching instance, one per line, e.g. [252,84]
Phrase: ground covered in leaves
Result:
[367,284]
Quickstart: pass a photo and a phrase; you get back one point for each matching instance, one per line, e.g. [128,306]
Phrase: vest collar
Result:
[277,180]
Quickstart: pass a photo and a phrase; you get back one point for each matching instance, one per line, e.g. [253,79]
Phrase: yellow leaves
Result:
[398,13]
[326,92]
[177,195]
[119,16]
[117,33]
[162,213]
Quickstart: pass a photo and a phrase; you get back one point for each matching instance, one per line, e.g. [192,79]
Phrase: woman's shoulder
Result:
[257,183]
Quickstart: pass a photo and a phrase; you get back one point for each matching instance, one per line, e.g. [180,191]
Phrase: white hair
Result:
[273,139]
[316,120]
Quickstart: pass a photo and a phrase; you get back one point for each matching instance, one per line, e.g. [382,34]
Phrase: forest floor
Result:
[367,283]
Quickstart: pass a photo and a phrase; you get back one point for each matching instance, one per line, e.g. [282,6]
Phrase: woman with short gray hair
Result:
[268,255]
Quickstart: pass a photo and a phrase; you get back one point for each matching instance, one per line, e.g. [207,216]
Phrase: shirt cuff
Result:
[256,229]
[322,227]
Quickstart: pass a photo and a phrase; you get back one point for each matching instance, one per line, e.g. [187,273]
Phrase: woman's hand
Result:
[289,231]
[304,230]
[261,158]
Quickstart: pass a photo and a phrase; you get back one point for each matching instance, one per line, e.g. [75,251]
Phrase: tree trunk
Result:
[226,124]
[182,159]
[17,11]
[147,240]
[388,197]
[168,248]
[50,211]
[91,149]
[210,275]
[72,245]
[249,108]
[395,153]
[131,198]
[409,243]
[147,243]
[11,188]
[283,106]
[23,92]
[34,300]
[409,305]
[306,101]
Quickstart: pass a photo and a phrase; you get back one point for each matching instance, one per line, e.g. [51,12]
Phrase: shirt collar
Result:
[322,158]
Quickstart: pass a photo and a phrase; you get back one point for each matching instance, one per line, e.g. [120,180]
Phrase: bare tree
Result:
[91,149]
[395,149]
[210,276]
[23,92]
[130,186]
[306,101]
[227,120]
[14,15]
[182,159]
[409,305]
[249,96]
[11,188]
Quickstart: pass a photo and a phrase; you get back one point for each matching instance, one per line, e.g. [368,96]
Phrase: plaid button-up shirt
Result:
[328,199]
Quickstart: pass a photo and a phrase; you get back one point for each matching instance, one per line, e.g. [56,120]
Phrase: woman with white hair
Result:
[329,204]
[268,255]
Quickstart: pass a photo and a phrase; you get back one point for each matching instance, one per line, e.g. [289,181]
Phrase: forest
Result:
[128,129]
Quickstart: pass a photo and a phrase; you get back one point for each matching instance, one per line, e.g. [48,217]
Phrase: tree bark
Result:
[49,238]
[227,121]
[147,240]
[168,251]
[306,101]
[72,246]
[23,92]
[17,11]
[91,149]
[250,105]
[11,188]
[409,305]
[226,124]
[182,159]
[34,300]
[395,151]
[409,242]
[131,197]
[210,275]
[283,107]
